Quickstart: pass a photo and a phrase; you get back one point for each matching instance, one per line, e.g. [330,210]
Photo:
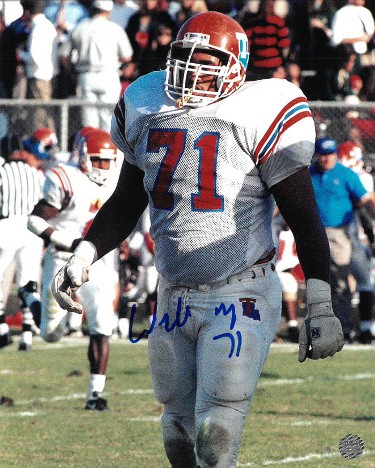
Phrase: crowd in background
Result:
[310,43]
[45,52]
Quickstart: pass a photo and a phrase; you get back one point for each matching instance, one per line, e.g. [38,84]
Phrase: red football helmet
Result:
[213,33]
[96,144]
[350,155]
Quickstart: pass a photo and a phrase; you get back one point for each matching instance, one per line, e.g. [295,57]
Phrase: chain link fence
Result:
[340,121]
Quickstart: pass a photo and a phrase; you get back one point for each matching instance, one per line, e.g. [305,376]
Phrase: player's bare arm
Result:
[321,333]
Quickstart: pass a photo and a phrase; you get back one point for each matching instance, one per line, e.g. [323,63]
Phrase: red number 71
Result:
[206,198]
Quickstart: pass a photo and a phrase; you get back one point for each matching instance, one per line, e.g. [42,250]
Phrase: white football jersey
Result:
[208,170]
[287,256]
[76,197]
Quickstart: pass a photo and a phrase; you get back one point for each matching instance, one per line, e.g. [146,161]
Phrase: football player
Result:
[210,152]
[72,194]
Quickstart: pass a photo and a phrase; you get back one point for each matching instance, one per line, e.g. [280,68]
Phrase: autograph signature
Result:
[182,317]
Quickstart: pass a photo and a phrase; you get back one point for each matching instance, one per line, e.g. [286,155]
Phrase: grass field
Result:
[299,414]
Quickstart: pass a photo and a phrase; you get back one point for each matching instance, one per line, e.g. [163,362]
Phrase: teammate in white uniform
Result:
[208,151]
[71,197]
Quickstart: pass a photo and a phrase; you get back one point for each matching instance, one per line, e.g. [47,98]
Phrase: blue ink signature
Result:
[248,306]
[177,323]
[231,310]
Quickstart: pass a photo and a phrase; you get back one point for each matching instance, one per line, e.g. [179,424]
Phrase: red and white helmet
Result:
[350,155]
[211,32]
[96,144]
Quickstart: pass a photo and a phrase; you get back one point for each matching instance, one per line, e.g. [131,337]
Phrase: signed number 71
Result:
[206,198]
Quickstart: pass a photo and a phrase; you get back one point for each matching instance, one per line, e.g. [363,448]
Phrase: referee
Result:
[21,181]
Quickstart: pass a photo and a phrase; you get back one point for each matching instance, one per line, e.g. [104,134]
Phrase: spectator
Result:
[227,7]
[10,11]
[185,9]
[12,38]
[65,15]
[122,11]
[129,73]
[100,46]
[279,72]
[155,54]
[143,26]
[339,77]
[293,73]
[41,60]
[321,51]
[353,24]
[338,190]
[369,86]
[268,40]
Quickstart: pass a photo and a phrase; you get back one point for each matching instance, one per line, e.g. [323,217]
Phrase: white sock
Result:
[75,321]
[293,323]
[123,327]
[4,328]
[27,337]
[96,385]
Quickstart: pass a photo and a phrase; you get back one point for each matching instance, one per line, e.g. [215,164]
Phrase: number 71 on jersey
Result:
[206,198]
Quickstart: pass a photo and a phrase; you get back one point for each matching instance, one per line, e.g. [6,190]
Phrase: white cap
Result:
[105,5]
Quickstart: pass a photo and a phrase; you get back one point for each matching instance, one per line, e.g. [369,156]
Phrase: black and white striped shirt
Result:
[20,188]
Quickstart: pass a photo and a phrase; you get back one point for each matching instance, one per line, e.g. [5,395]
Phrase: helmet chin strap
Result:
[181,102]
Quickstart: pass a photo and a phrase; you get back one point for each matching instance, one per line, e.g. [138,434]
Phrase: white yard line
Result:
[308,457]
[67,342]
[21,414]
[149,391]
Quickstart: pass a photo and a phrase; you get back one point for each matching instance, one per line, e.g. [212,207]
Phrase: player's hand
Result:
[69,278]
[321,332]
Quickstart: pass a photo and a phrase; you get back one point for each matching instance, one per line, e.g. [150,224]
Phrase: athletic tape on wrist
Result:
[87,252]
[37,225]
[62,239]
[317,291]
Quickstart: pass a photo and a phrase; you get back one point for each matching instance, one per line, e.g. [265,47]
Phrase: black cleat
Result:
[98,404]
[293,334]
[365,337]
[24,347]
[24,293]
[6,340]
[349,337]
